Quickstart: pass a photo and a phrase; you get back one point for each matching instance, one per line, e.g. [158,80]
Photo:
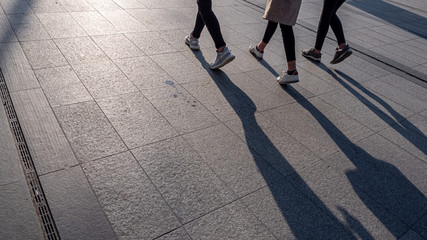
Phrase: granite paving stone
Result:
[183,111]
[10,162]
[421,226]
[150,18]
[411,235]
[43,54]
[353,209]
[407,139]
[179,234]
[75,5]
[328,126]
[74,206]
[176,38]
[134,137]
[104,79]
[60,25]
[283,152]
[94,23]
[267,78]
[80,50]
[123,21]
[134,207]
[117,46]
[400,185]
[233,221]
[150,43]
[49,148]
[6,29]
[62,86]
[251,92]
[180,67]
[137,122]
[409,87]
[27,27]
[88,130]
[194,190]
[144,72]
[13,7]
[46,6]
[289,214]
[206,56]
[19,213]
[399,96]
[129,4]
[104,5]
[367,114]
[367,67]
[243,170]
[417,123]
[16,70]
[421,68]
[220,101]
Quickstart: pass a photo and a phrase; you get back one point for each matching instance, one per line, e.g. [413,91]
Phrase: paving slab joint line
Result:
[422,78]
[44,214]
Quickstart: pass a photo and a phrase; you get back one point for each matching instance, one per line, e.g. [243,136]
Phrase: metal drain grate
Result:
[45,216]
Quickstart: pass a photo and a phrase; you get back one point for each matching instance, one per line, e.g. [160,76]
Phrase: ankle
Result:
[342,45]
[220,49]
[316,51]
[291,72]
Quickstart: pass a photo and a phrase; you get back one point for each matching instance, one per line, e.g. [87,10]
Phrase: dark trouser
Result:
[329,17]
[206,16]
[287,35]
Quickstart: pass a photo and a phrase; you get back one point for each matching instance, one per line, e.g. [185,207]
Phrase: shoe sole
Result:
[253,54]
[284,83]
[227,61]
[191,47]
[311,57]
[342,57]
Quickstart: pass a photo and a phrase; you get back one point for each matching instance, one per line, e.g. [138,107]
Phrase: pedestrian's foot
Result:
[288,77]
[341,54]
[193,43]
[222,58]
[255,52]
[311,54]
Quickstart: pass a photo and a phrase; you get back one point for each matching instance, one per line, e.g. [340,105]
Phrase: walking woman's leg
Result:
[268,34]
[198,27]
[329,7]
[291,75]
[211,22]
[289,43]
[337,26]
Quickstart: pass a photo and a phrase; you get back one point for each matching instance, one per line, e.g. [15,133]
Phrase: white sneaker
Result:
[254,51]
[193,43]
[222,58]
[285,78]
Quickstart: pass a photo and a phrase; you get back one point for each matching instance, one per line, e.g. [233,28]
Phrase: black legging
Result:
[206,16]
[287,35]
[329,17]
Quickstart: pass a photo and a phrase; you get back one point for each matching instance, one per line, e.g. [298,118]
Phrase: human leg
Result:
[291,75]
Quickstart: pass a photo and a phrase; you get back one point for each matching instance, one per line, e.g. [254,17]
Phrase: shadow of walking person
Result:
[284,209]
[374,166]
[405,16]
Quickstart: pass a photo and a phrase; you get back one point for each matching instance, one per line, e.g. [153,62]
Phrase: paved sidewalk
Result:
[133,137]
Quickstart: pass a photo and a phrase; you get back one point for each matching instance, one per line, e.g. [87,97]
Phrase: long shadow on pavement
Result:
[394,15]
[406,129]
[381,186]
[376,182]
[306,220]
